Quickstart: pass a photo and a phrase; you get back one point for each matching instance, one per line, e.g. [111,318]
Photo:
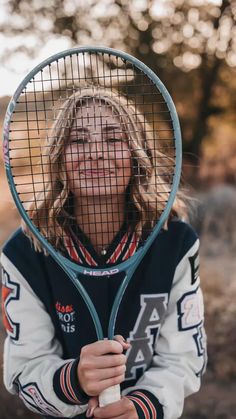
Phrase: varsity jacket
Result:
[161,315]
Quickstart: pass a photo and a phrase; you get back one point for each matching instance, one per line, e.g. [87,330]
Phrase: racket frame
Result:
[69,267]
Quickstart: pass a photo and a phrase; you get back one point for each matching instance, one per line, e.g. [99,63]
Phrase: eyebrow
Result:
[105,127]
[79,129]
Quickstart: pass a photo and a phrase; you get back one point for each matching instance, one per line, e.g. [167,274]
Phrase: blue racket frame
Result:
[130,265]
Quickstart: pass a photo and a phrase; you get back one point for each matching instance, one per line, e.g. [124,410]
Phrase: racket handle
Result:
[110,395]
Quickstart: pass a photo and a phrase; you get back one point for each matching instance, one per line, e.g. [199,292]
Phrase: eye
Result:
[79,140]
[113,140]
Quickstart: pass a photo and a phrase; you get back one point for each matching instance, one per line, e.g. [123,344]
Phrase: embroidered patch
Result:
[194,263]
[147,325]
[10,292]
[66,315]
[190,310]
[33,397]
[198,337]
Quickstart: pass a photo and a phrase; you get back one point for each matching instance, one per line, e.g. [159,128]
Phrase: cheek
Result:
[68,164]
[71,158]
[124,163]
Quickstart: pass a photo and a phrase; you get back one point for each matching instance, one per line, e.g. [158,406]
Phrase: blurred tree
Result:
[191,45]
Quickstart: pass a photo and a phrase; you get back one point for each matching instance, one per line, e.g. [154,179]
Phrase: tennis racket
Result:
[86,126]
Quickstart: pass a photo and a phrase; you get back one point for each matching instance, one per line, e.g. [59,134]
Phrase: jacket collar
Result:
[80,249]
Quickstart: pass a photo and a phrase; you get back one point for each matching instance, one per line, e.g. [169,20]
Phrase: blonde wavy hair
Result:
[50,212]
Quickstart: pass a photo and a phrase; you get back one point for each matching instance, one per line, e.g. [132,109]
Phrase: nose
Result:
[96,149]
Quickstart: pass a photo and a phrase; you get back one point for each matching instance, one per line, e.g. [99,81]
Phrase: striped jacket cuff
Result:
[66,384]
[146,404]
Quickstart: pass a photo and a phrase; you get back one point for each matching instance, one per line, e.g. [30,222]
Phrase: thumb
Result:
[126,345]
[92,404]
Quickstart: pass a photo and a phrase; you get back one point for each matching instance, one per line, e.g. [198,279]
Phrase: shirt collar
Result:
[80,249]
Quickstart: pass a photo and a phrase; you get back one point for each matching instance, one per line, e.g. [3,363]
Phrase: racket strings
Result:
[92,143]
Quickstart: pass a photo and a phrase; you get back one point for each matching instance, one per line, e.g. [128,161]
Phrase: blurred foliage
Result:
[191,45]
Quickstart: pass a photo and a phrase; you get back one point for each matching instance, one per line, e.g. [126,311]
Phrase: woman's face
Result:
[97,157]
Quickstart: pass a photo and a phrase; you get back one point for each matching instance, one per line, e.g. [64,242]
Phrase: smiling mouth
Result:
[91,173]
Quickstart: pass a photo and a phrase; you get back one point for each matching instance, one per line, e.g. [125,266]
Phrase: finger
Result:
[109,361]
[122,408]
[124,416]
[102,347]
[94,387]
[119,338]
[92,404]
[106,373]
[104,361]
[109,382]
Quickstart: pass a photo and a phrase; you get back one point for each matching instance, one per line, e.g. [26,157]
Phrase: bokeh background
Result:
[191,45]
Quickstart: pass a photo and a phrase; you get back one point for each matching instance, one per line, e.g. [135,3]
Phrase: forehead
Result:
[94,108]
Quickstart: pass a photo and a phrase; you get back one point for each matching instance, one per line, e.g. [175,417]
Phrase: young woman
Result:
[99,204]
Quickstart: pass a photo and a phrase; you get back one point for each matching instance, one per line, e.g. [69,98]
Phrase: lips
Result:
[91,173]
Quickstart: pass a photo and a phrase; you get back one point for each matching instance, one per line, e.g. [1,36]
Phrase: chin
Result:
[98,191]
